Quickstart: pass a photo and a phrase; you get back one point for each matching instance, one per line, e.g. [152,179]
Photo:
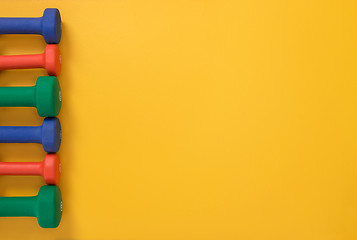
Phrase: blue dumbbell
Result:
[49,25]
[49,135]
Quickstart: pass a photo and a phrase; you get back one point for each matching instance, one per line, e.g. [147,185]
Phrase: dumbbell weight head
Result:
[49,206]
[51,135]
[48,96]
[53,59]
[52,169]
[51,25]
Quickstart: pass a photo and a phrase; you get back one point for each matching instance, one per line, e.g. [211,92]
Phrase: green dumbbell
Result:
[46,206]
[45,96]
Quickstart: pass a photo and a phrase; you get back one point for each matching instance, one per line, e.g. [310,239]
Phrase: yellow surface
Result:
[196,119]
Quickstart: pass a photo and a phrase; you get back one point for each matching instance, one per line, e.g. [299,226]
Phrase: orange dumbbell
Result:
[50,60]
[49,169]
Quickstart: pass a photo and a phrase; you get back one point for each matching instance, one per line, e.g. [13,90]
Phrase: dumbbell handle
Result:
[20,134]
[21,61]
[17,96]
[20,25]
[18,206]
[21,168]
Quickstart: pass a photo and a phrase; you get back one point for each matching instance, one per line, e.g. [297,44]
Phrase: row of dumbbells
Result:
[46,97]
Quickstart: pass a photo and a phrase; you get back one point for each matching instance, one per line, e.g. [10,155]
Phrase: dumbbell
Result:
[45,96]
[46,206]
[48,134]
[49,169]
[50,60]
[49,25]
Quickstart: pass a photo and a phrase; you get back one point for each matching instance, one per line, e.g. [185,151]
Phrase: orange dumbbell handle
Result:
[21,168]
[22,61]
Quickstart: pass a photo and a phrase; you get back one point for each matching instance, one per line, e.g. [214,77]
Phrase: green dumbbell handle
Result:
[17,97]
[45,96]
[18,206]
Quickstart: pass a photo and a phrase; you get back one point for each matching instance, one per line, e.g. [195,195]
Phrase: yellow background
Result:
[196,119]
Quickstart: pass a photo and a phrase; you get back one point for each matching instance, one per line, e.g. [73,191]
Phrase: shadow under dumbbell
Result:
[25,77]
[19,185]
[19,116]
[21,44]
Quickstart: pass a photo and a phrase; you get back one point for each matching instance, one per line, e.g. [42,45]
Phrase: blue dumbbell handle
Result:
[20,134]
[21,25]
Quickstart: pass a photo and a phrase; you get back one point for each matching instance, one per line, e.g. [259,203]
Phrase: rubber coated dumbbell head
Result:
[52,169]
[49,206]
[53,59]
[51,135]
[48,96]
[52,25]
